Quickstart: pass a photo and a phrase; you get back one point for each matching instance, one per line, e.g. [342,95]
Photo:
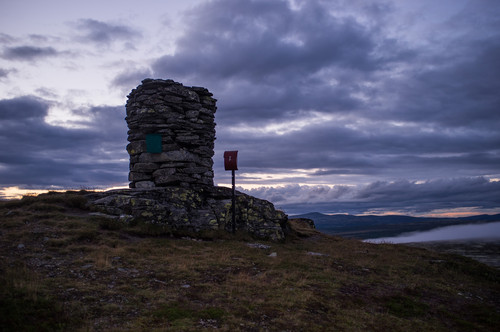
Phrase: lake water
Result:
[485,232]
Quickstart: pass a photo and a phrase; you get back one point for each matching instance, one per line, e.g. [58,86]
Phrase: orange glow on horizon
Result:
[453,214]
[18,193]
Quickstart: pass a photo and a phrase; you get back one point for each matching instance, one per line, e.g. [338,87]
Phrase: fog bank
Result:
[487,232]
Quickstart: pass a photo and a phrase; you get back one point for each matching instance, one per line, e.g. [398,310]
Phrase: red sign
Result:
[230,160]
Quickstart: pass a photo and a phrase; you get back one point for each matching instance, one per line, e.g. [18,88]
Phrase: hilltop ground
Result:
[64,269]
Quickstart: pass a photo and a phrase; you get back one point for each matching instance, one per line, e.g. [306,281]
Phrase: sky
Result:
[360,107]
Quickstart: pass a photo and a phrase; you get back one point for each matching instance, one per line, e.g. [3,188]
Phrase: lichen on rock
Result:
[186,209]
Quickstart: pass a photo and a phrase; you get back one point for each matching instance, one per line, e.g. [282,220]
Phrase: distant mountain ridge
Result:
[370,226]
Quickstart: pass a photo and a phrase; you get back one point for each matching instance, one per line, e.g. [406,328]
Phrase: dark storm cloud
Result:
[28,53]
[435,118]
[22,108]
[332,92]
[477,192]
[337,149]
[462,94]
[258,39]
[399,196]
[455,82]
[37,154]
[103,33]
[351,100]
[267,60]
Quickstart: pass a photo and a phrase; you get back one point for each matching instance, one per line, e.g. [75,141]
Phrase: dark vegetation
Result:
[369,227]
[62,269]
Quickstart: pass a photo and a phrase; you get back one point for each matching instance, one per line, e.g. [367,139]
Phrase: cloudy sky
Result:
[335,106]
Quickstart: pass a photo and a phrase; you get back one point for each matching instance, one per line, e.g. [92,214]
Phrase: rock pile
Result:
[171,135]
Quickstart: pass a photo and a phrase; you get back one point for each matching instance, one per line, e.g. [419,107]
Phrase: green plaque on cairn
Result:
[153,143]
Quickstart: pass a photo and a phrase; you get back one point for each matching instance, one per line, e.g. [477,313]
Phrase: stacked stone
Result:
[184,119]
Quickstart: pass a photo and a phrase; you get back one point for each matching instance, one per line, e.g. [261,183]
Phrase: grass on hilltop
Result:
[62,269]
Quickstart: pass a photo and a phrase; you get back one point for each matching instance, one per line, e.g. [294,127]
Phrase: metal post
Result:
[233,206]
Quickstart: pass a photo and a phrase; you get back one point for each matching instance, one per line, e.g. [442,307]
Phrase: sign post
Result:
[230,164]
[233,205]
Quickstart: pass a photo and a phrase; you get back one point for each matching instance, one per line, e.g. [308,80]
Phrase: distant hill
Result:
[366,227]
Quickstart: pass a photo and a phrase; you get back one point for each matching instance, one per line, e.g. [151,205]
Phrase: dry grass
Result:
[77,273]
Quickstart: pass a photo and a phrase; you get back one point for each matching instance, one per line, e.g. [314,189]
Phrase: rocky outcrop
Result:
[188,210]
[171,135]
[303,222]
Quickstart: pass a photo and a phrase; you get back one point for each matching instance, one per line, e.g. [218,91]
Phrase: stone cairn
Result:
[171,135]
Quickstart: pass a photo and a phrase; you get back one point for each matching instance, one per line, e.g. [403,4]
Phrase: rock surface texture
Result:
[171,135]
[185,210]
